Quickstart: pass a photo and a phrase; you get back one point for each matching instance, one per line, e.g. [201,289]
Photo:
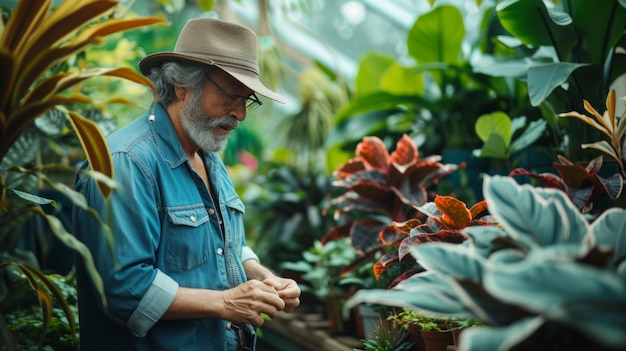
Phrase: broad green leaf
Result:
[531,22]
[402,81]
[535,216]
[371,68]
[495,123]
[590,19]
[544,78]
[437,36]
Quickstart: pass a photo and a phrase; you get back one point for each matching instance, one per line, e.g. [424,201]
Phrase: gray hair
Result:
[181,74]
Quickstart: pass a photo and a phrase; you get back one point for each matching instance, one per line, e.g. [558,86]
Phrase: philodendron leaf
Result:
[534,216]
[452,260]
[609,232]
[544,284]
[544,78]
[426,292]
[498,338]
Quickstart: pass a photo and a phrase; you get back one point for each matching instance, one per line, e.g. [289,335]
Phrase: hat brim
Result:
[248,78]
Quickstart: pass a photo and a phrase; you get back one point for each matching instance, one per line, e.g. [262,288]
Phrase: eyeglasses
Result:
[252,101]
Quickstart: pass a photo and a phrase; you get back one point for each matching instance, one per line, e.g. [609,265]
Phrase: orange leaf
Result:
[95,147]
[455,213]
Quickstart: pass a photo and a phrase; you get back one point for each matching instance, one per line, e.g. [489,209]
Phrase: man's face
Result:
[210,132]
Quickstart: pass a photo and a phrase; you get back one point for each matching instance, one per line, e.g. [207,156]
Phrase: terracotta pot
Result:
[415,334]
[436,340]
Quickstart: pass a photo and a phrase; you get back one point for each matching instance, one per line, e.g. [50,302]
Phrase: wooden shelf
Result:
[303,331]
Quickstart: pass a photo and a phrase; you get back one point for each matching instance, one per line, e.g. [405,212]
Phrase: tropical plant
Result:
[567,51]
[38,44]
[380,188]
[609,125]
[441,94]
[321,267]
[517,277]
[447,216]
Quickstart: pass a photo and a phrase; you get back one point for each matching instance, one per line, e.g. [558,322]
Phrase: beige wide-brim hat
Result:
[228,46]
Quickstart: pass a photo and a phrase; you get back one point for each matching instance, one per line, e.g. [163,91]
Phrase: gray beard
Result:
[200,126]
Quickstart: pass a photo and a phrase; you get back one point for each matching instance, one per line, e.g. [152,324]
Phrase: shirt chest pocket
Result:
[188,244]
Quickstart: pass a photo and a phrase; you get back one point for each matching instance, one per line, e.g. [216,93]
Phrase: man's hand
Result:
[246,302]
[288,290]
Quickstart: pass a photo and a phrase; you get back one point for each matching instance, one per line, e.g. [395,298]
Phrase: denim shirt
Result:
[167,233]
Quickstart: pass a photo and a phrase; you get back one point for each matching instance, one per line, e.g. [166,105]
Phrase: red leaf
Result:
[374,154]
[406,151]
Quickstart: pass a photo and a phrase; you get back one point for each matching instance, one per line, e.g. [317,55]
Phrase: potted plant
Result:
[516,277]
[381,187]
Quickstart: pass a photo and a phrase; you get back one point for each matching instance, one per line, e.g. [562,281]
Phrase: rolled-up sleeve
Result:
[153,305]
[248,254]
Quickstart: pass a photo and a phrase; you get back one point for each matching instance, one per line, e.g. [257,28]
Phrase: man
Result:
[180,276]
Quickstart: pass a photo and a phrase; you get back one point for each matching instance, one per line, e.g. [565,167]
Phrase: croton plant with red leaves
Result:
[384,189]
[447,216]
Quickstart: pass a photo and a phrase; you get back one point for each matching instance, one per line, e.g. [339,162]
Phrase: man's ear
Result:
[181,92]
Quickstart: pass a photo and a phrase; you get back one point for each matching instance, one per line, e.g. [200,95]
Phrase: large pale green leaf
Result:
[609,232]
[543,284]
[437,36]
[544,78]
[535,216]
[499,338]
[425,292]
[467,264]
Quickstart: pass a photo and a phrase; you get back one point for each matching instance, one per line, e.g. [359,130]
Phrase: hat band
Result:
[232,61]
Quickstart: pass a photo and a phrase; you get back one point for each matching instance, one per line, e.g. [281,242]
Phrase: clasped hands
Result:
[246,302]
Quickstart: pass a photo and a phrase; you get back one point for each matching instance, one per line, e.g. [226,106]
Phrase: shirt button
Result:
[229,325]
[193,218]
[211,211]
[220,251]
